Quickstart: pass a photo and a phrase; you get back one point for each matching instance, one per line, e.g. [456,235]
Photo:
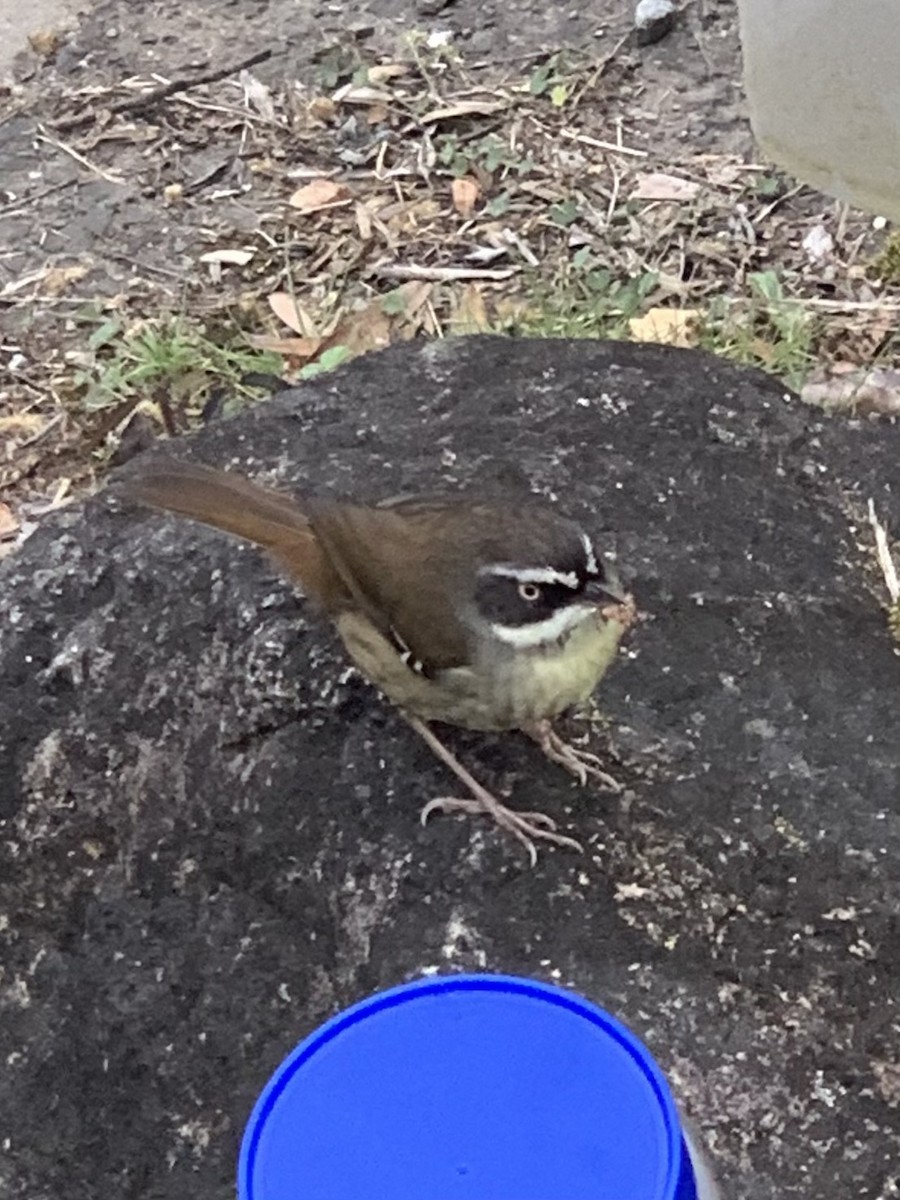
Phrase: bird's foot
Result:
[527,827]
[580,763]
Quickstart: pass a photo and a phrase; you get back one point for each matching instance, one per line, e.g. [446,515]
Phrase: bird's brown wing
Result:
[406,565]
[402,568]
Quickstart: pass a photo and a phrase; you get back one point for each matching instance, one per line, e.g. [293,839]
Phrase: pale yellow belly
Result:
[501,693]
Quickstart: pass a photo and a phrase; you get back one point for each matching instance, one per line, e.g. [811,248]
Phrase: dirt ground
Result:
[154,162]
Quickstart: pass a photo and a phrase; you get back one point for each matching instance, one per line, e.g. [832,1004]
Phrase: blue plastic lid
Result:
[467,1087]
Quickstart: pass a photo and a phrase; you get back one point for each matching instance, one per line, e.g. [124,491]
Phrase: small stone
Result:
[653,19]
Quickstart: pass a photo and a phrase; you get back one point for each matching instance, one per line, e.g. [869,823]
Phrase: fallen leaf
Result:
[366,329]
[385,71]
[818,245]
[671,326]
[416,292]
[27,423]
[861,390]
[721,170]
[470,314]
[657,186]
[485,255]
[237,258]
[45,41]
[300,348]
[58,279]
[322,109]
[363,221]
[8,523]
[465,195]
[350,94]
[513,310]
[410,217]
[468,108]
[409,304]
[286,309]
[370,327]
[258,95]
[320,194]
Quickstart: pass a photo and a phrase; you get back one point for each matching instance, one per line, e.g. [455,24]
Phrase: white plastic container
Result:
[823,82]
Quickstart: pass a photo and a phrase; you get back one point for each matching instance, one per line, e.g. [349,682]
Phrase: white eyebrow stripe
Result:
[591,555]
[532,574]
[540,633]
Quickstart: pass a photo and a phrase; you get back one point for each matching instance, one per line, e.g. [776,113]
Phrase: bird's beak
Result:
[600,591]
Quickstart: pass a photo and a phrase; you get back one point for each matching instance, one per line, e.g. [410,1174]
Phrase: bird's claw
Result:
[580,763]
[525,826]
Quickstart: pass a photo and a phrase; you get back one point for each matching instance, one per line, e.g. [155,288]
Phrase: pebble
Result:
[653,19]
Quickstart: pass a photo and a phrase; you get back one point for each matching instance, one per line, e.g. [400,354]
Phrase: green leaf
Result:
[599,281]
[499,205]
[559,95]
[106,333]
[331,358]
[564,213]
[540,79]
[392,304]
[495,153]
[581,258]
[630,294]
[767,286]
[447,150]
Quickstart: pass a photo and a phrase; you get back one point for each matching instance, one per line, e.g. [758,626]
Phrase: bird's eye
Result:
[529,592]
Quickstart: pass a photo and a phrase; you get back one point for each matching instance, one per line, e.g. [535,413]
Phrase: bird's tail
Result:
[238,506]
[219,498]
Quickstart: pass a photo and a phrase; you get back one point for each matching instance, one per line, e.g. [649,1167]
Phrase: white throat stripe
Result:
[541,633]
[532,574]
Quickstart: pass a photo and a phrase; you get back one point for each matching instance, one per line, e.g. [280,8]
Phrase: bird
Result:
[492,613]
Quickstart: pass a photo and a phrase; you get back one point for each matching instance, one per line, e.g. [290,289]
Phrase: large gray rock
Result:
[211,833]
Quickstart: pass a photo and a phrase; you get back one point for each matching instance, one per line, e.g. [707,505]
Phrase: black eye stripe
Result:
[557,594]
[499,599]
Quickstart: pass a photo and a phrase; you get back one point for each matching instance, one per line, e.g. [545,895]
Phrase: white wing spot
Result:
[590,555]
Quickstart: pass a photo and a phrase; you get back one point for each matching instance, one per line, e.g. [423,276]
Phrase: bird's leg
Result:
[579,763]
[526,826]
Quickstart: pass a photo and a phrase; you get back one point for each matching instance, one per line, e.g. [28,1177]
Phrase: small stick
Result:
[883,554]
[442,274]
[151,99]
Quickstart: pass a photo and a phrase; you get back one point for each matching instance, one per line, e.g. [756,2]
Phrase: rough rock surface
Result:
[210,836]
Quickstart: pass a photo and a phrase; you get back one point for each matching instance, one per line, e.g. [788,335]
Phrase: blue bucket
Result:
[468,1087]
